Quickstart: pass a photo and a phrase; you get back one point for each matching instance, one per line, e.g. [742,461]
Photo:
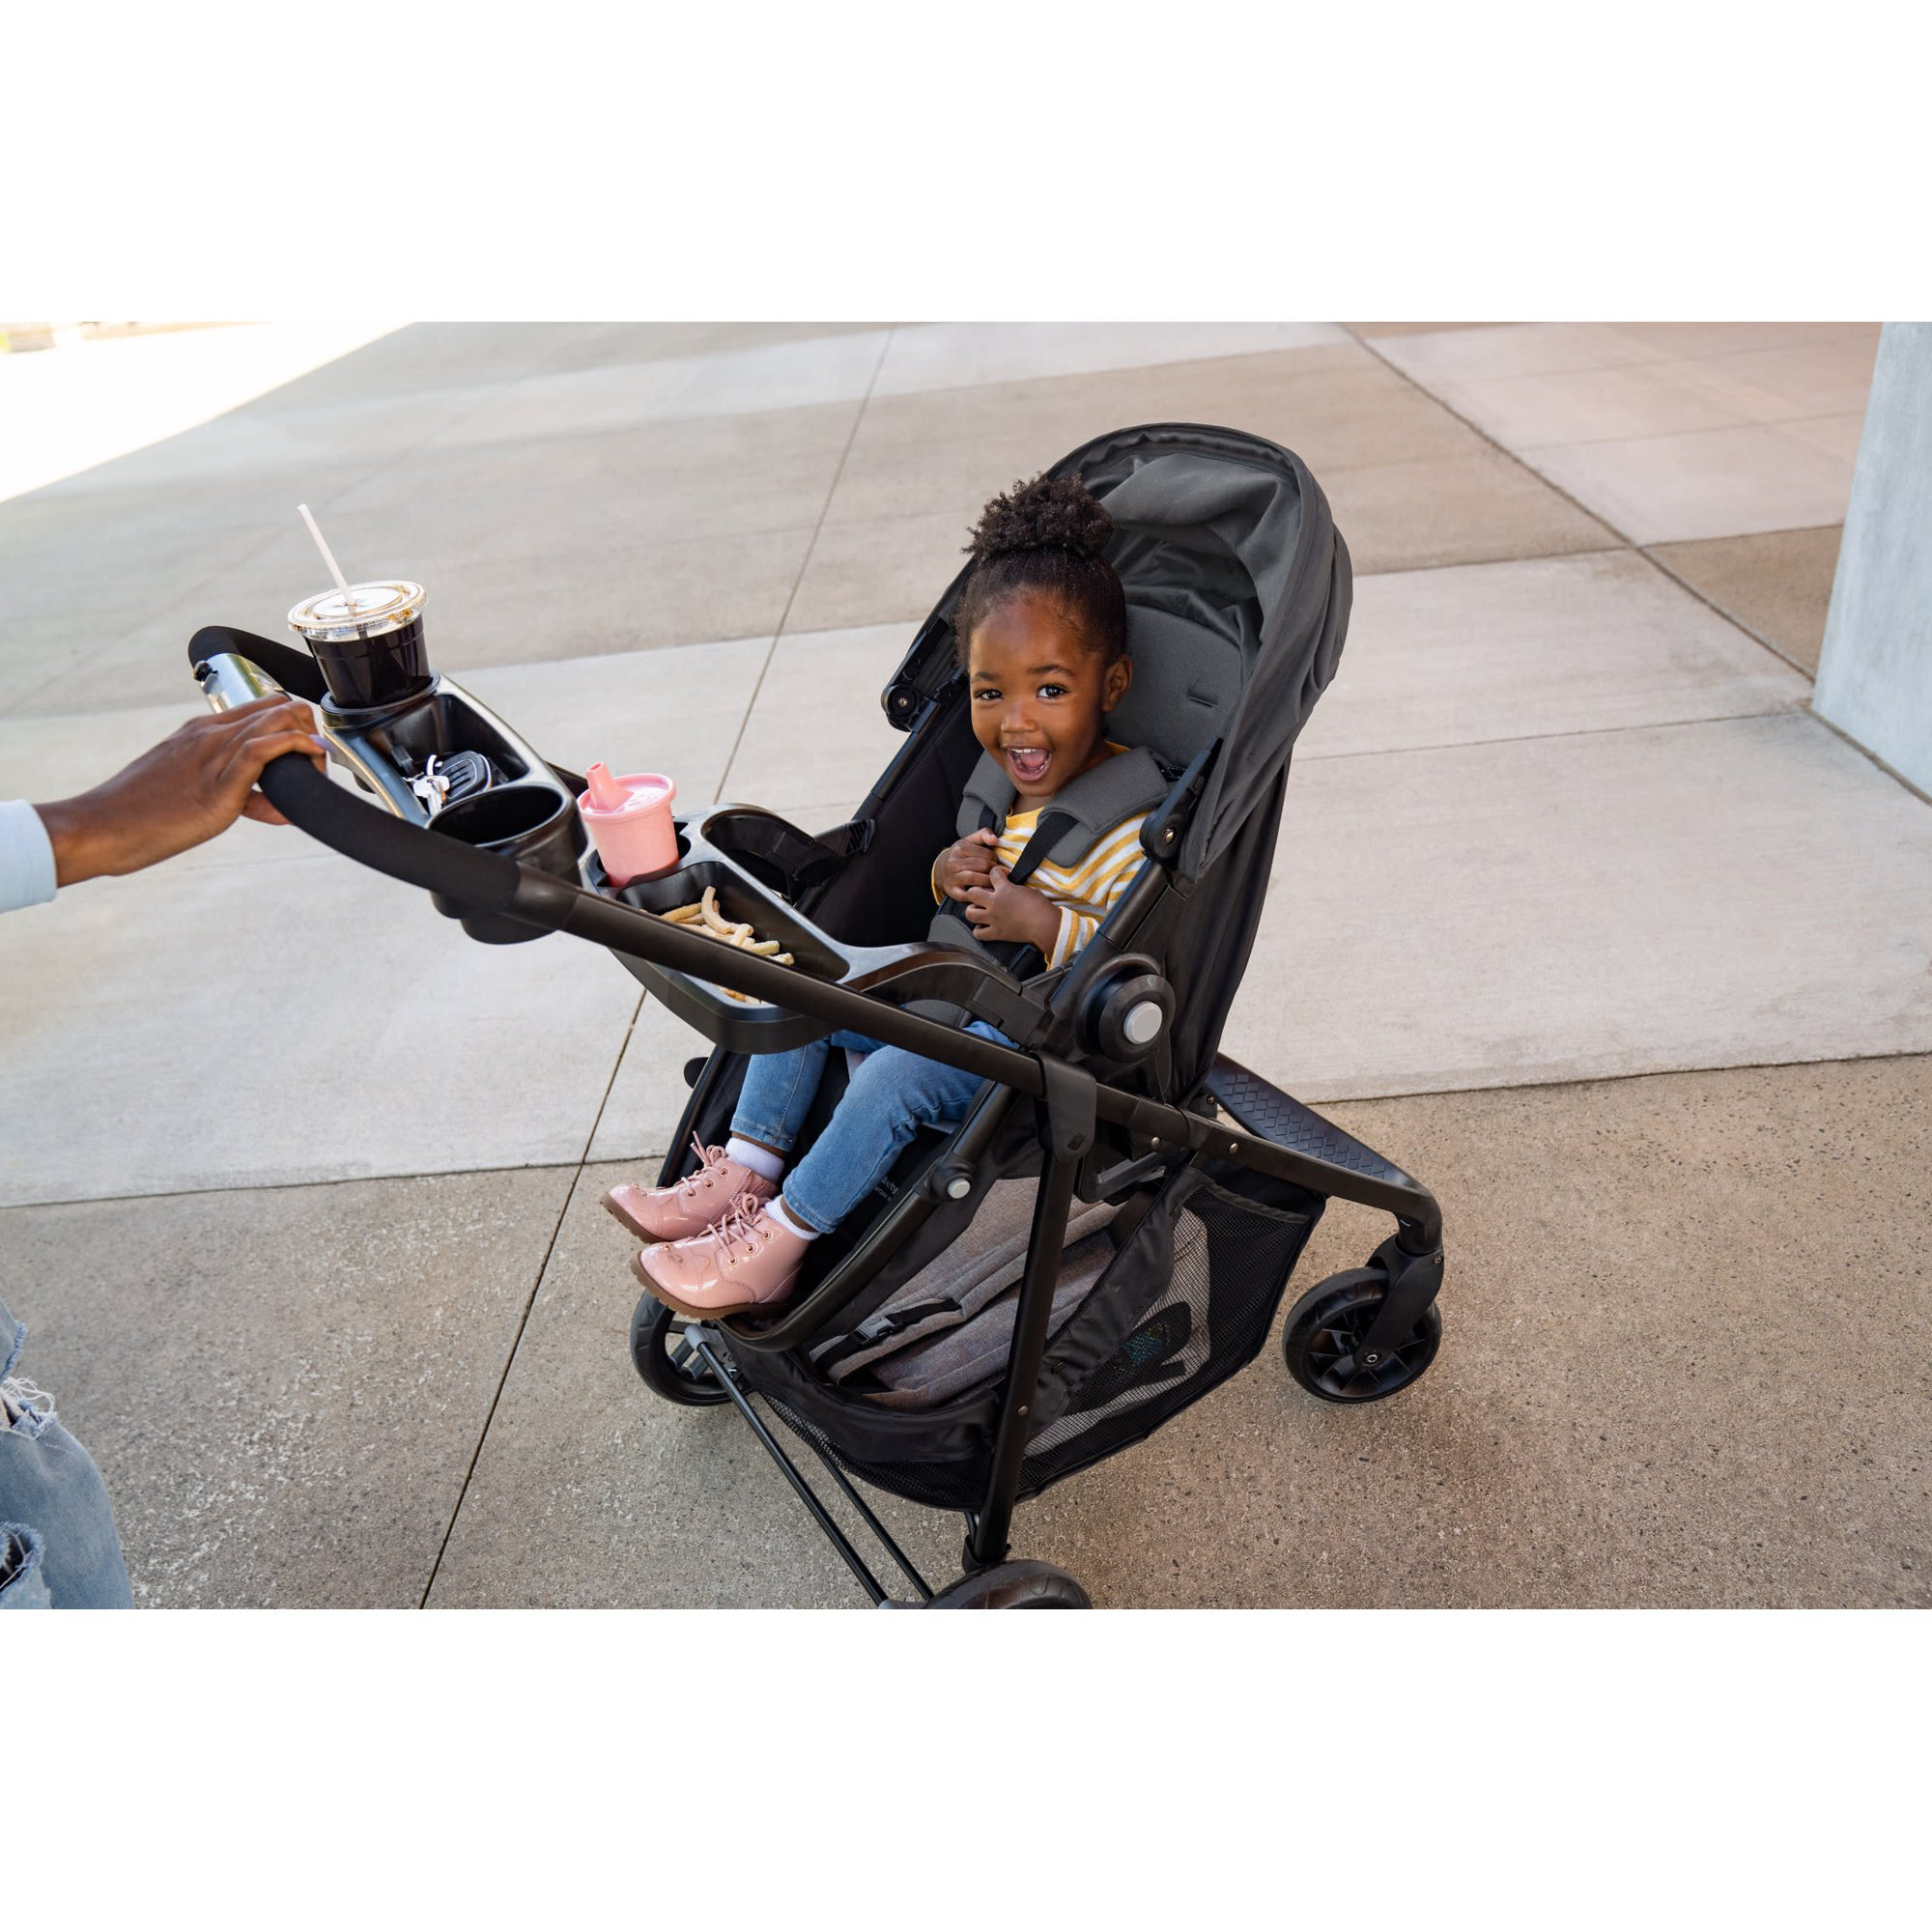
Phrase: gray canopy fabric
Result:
[1229,535]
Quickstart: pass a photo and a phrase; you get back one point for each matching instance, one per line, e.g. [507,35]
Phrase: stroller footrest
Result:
[1263,1109]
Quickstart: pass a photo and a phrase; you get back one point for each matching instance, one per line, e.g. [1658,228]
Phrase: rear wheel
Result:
[668,1363]
[1013,1586]
[1321,1340]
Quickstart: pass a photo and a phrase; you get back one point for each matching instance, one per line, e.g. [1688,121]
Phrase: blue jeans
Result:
[58,1546]
[893,1094]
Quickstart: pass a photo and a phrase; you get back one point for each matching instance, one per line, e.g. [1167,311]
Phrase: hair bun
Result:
[1049,513]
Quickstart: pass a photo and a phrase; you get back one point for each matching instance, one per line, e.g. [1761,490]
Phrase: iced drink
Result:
[369,641]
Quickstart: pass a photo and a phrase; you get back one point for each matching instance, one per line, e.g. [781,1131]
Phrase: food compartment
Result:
[736,1023]
[739,901]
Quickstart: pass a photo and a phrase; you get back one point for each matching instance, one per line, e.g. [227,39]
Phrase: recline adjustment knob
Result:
[1125,1012]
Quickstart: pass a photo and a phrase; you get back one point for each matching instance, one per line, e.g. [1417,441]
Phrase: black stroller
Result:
[1107,1234]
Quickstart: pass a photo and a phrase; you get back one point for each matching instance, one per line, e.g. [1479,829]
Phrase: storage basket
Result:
[1172,1295]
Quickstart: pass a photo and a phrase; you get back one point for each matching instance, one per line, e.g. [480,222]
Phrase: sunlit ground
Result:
[63,410]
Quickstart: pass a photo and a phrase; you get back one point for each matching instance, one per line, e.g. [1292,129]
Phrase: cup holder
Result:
[502,816]
[599,880]
[532,823]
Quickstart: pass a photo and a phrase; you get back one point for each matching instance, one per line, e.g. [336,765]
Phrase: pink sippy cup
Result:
[629,821]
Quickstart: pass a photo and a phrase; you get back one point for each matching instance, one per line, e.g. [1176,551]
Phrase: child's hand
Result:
[969,862]
[1003,910]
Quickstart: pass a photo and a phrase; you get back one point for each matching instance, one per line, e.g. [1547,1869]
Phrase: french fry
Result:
[705,916]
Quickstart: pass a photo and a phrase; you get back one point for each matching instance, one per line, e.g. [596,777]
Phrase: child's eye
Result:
[985,695]
[1053,691]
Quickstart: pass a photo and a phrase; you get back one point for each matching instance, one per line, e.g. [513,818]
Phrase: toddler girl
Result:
[1043,627]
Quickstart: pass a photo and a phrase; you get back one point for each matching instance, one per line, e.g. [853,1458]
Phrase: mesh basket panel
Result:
[1232,1261]
[948,1486]
[1200,1324]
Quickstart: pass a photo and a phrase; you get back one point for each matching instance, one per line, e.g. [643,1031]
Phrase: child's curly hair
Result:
[1049,537]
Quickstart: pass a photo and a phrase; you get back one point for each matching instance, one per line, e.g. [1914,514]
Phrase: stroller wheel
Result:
[1013,1586]
[659,1354]
[1325,1328]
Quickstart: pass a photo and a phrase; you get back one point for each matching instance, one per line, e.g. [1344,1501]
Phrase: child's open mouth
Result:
[1028,762]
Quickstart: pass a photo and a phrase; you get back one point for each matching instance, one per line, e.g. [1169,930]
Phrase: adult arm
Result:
[182,791]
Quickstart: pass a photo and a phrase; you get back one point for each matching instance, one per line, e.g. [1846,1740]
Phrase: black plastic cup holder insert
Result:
[536,824]
[502,818]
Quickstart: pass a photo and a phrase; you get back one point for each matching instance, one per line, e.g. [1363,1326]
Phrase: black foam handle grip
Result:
[413,853]
[296,671]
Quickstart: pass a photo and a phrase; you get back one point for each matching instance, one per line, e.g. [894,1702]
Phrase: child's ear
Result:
[1114,687]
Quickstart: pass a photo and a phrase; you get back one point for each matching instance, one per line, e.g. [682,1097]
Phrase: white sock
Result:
[776,1209]
[762,1161]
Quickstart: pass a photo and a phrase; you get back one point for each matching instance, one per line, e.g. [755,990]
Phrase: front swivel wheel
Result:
[1321,1340]
[1013,1586]
[671,1367]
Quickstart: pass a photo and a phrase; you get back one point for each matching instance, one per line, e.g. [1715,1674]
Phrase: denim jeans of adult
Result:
[892,1095]
[58,1546]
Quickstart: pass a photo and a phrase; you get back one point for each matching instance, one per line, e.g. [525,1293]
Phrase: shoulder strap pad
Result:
[987,798]
[1096,801]
[1133,781]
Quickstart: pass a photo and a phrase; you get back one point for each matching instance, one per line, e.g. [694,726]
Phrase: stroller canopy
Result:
[1238,589]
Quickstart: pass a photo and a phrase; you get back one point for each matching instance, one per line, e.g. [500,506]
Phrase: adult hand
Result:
[185,790]
[1003,910]
[969,862]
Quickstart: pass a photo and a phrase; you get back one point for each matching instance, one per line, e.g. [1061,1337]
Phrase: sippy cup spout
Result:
[606,794]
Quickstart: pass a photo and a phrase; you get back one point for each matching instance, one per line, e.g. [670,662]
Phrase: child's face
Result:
[1040,695]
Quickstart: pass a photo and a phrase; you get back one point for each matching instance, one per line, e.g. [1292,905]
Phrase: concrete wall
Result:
[1875,671]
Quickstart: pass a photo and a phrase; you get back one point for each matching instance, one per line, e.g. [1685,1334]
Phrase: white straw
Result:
[328,557]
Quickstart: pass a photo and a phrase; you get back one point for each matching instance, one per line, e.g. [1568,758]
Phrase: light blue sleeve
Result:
[26,856]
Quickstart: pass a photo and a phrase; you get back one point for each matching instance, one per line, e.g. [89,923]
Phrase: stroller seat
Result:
[891,1353]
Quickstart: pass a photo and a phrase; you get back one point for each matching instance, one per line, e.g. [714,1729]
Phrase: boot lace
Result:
[737,1233]
[709,1160]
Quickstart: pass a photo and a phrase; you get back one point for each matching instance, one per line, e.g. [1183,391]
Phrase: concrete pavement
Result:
[1571,717]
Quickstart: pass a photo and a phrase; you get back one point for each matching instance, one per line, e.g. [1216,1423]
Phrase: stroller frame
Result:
[1098,1137]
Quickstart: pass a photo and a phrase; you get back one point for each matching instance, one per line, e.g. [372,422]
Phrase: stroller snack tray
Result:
[719,846]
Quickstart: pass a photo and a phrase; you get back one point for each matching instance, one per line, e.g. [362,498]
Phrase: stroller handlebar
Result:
[308,800]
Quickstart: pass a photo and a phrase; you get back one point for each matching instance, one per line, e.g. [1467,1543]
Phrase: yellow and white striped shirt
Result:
[1085,893]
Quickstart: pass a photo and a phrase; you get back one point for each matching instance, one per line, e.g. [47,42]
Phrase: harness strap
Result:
[1131,782]
[1044,837]
[1013,954]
